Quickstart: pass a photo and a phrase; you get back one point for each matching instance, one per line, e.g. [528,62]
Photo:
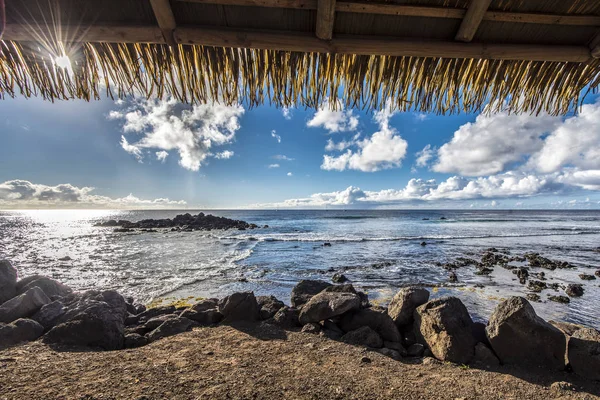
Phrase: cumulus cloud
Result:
[167,125]
[224,155]
[383,150]
[494,141]
[424,156]
[162,156]
[273,166]
[339,120]
[289,174]
[25,194]
[276,136]
[282,157]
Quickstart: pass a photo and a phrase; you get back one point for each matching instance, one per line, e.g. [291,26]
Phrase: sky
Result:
[137,153]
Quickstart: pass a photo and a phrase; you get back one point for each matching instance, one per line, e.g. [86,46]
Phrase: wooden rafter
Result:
[595,45]
[472,20]
[166,19]
[415,11]
[325,19]
[293,41]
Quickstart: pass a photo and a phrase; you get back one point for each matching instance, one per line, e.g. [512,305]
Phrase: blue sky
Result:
[159,154]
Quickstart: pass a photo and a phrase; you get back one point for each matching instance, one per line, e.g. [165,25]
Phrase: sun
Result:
[63,62]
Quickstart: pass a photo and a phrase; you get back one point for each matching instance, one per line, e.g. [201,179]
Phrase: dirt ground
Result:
[261,362]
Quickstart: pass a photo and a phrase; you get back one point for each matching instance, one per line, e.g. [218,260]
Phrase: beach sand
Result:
[260,361]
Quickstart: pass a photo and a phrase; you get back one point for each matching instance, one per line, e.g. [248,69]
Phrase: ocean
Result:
[379,251]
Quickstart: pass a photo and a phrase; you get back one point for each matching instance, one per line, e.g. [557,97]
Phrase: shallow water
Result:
[379,251]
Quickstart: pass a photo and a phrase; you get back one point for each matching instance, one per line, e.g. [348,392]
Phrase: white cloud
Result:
[273,166]
[168,125]
[420,117]
[276,136]
[282,157]
[24,194]
[287,113]
[384,149]
[333,121]
[493,142]
[424,156]
[289,174]
[224,155]
[162,156]
[342,145]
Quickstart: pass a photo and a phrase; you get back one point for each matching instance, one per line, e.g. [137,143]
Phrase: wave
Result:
[351,217]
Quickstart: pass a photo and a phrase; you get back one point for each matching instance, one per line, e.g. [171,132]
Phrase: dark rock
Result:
[395,346]
[240,306]
[49,314]
[522,273]
[587,277]
[575,290]
[155,322]
[21,330]
[597,273]
[391,353]
[533,297]
[133,340]
[518,336]
[185,222]
[24,305]
[149,314]
[484,271]
[452,278]
[326,244]
[326,305]
[50,287]
[207,317]
[311,327]
[409,337]
[287,318]
[365,360]
[484,356]
[415,350]
[269,305]
[584,353]
[404,304]
[93,318]
[8,281]
[423,243]
[374,318]
[205,305]
[562,385]
[139,308]
[305,289]
[559,299]
[65,258]
[566,327]
[169,328]
[364,336]
[339,278]
[478,330]
[536,286]
[445,326]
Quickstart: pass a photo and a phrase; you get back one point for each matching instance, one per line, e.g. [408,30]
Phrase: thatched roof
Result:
[426,55]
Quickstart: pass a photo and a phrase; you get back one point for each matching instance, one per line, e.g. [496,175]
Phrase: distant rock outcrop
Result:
[185,222]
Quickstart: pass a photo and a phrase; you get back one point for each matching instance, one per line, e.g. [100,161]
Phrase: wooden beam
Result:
[472,20]
[594,45]
[166,19]
[415,11]
[303,42]
[325,19]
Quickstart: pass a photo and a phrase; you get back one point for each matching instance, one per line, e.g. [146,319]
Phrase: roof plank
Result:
[472,20]
[165,18]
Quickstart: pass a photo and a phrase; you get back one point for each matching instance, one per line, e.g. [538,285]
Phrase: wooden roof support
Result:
[293,41]
[595,45]
[325,19]
[472,20]
[166,20]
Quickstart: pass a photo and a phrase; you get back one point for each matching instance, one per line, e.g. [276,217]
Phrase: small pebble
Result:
[365,360]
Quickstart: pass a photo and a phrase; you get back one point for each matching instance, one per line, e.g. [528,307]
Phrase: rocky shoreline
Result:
[412,326]
[182,222]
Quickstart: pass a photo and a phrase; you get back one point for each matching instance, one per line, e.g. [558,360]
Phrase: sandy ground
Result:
[261,362]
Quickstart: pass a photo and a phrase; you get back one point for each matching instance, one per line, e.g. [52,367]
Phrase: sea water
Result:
[379,251]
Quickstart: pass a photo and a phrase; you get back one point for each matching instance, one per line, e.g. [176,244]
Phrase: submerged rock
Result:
[24,305]
[404,304]
[574,290]
[584,353]
[559,299]
[587,277]
[326,305]
[445,325]
[536,286]
[305,289]
[8,281]
[21,330]
[518,336]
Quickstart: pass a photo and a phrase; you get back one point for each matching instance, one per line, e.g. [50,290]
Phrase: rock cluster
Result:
[184,222]
[412,325]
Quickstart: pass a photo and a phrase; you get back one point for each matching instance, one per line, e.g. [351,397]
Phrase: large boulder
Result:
[364,336]
[93,318]
[24,305]
[52,288]
[584,353]
[269,305]
[376,319]
[518,336]
[150,313]
[287,318]
[8,281]
[445,326]
[327,305]
[240,307]
[305,289]
[206,317]
[404,304]
[49,314]
[169,328]
[21,330]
